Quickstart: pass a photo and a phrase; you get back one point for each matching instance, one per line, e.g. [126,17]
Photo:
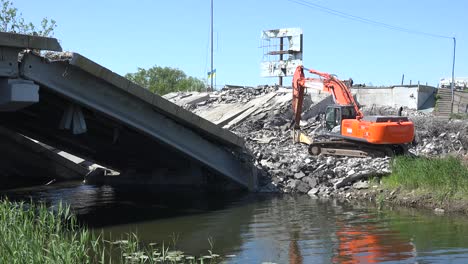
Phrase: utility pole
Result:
[281,60]
[452,85]
[212,88]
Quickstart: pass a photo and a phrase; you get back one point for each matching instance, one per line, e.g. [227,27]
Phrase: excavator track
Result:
[343,147]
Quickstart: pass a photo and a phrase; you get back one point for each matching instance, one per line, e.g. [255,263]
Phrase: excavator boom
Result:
[340,92]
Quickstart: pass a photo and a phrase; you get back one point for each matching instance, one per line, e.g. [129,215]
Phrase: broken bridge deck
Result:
[116,102]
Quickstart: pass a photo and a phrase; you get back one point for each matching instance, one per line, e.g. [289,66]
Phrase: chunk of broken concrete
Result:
[302,187]
[299,175]
[355,177]
[311,181]
[313,191]
[361,185]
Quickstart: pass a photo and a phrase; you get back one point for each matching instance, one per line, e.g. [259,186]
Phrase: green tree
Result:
[12,21]
[163,80]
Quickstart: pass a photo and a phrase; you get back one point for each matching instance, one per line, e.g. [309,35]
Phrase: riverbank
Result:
[37,234]
[439,184]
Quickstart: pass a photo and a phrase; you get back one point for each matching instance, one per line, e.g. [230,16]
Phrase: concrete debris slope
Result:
[437,137]
[434,136]
[262,116]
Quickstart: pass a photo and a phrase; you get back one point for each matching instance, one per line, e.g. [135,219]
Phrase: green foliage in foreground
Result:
[36,234]
[163,80]
[33,234]
[443,177]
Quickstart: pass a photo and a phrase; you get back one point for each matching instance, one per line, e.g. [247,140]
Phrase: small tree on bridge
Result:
[12,21]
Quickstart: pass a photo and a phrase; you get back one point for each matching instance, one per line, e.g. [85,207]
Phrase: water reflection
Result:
[370,243]
[295,255]
[256,229]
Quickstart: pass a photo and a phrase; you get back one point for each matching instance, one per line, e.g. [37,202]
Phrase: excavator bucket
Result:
[299,137]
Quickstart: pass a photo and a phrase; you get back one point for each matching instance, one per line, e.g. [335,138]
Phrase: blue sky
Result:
[124,35]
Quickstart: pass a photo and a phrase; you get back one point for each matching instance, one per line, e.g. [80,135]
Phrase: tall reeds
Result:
[35,233]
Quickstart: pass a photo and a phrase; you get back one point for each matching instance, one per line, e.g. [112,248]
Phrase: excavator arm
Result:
[329,83]
[341,93]
[298,95]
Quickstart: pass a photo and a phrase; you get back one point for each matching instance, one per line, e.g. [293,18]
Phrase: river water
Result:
[265,228]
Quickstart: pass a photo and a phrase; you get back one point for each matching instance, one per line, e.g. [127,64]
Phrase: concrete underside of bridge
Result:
[25,161]
[93,113]
[139,158]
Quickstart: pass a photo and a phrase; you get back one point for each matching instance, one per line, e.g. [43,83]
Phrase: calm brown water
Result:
[264,228]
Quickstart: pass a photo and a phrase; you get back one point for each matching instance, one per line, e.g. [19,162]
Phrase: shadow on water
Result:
[265,228]
[101,206]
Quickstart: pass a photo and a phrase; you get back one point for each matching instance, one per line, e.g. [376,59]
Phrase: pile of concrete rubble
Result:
[262,116]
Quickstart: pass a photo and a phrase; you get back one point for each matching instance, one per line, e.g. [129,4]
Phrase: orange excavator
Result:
[347,131]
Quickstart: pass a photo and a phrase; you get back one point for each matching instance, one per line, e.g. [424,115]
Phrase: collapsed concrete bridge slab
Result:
[94,113]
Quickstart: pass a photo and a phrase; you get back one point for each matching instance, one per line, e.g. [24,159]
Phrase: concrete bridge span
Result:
[74,104]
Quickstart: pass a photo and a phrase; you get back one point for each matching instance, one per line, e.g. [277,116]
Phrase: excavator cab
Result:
[335,114]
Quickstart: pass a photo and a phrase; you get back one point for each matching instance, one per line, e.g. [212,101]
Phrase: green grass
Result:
[444,178]
[32,233]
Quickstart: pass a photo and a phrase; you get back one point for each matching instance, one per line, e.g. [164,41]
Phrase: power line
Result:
[376,23]
[364,20]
